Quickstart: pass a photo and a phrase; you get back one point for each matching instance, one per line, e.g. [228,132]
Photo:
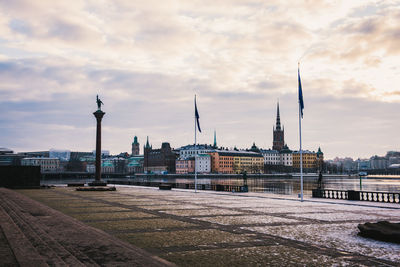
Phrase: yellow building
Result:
[309,160]
[249,162]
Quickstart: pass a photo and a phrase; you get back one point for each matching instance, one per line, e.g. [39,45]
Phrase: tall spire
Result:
[279,135]
[215,139]
[278,118]
[147,143]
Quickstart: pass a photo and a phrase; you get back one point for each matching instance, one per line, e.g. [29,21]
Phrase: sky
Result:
[147,60]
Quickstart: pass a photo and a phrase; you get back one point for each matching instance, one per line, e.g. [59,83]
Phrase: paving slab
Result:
[40,236]
[234,229]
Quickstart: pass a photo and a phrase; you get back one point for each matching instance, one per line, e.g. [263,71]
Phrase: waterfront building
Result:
[232,161]
[378,163]
[35,154]
[135,164]
[278,133]
[107,166]
[363,164]
[344,164]
[221,162]
[62,155]
[247,161]
[46,164]
[309,159]
[271,157]
[135,147]
[8,158]
[286,156]
[159,160]
[191,150]
[74,156]
[203,163]
[185,166]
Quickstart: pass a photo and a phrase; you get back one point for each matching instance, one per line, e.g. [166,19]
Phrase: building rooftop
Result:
[198,146]
[4,150]
[238,153]
[269,151]
[41,158]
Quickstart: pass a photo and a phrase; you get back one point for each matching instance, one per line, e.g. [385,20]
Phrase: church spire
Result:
[278,118]
[279,135]
[147,143]
[215,139]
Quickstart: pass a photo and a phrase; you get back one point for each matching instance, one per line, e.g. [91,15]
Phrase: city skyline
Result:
[147,60]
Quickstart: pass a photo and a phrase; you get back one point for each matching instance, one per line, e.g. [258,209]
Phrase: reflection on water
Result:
[276,185]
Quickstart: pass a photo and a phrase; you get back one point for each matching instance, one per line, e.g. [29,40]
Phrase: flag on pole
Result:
[301,102]
[196,114]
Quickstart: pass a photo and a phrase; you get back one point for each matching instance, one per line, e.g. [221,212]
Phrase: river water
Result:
[278,185]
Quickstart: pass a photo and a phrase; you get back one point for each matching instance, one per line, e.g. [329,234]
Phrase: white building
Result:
[46,164]
[203,163]
[271,157]
[286,158]
[189,150]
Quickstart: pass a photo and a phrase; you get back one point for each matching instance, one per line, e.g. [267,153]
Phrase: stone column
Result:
[99,115]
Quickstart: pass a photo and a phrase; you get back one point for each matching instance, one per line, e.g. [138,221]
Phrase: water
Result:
[278,185]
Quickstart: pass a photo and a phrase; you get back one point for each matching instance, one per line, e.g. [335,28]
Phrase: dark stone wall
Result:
[19,176]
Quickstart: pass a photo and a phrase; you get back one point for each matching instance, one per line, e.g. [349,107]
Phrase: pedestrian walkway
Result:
[33,234]
[229,229]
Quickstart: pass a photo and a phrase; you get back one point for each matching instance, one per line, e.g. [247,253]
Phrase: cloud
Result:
[148,59]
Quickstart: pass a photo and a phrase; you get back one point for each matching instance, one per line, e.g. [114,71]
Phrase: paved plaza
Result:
[229,229]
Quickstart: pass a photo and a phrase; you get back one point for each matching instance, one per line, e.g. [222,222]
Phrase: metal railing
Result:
[387,197]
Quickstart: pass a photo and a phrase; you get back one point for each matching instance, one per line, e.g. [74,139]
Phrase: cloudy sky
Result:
[147,59]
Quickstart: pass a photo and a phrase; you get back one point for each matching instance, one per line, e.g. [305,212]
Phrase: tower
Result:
[135,147]
[146,149]
[279,133]
[215,140]
[320,159]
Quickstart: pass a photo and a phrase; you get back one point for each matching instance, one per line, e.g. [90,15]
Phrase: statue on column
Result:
[99,102]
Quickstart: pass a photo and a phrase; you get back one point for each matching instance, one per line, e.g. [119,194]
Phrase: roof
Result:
[5,150]
[239,153]
[41,158]
[304,152]
[394,166]
[199,146]
[269,151]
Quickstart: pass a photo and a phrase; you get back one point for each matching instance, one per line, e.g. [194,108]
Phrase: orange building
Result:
[221,162]
[230,162]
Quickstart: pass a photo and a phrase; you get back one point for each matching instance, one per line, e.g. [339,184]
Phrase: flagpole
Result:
[301,158]
[301,150]
[195,150]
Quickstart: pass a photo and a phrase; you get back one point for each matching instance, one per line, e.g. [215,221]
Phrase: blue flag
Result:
[196,114]
[301,102]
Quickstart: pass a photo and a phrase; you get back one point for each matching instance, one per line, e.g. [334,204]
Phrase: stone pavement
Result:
[231,229]
[33,234]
